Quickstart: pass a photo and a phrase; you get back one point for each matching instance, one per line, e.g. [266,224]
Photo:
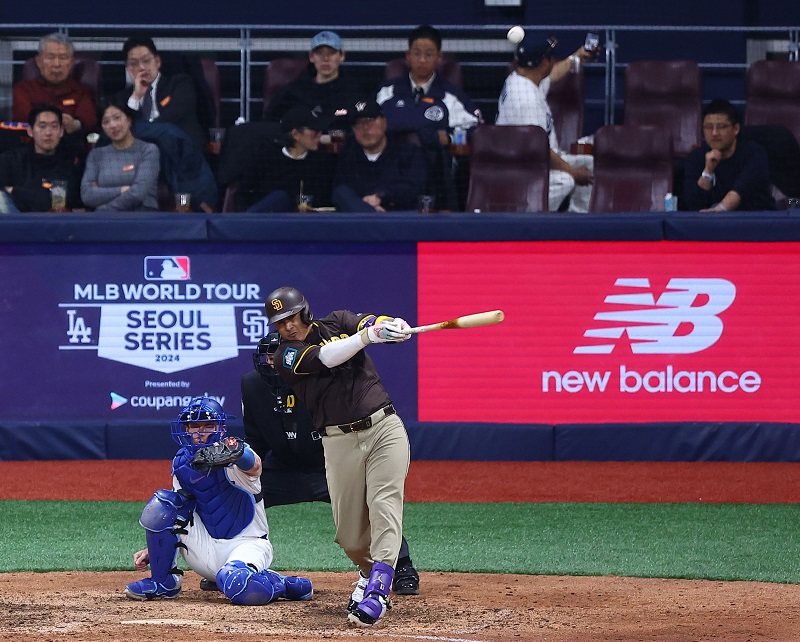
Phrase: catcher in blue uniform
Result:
[214,515]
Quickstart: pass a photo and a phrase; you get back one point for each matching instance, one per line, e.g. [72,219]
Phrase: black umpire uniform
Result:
[278,427]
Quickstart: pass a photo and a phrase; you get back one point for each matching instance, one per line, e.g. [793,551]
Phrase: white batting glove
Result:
[397,329]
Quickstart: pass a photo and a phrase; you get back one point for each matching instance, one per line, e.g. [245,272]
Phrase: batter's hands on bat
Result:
[397,329]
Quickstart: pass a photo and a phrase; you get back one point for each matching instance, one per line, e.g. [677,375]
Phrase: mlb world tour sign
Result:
[165,324]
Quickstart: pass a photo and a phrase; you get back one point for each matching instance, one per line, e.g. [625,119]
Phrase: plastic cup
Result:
[215,137]
[305,203]
[58,196]
[426,203]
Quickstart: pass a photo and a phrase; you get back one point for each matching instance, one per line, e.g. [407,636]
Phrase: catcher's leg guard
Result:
[163,517]
[241,584]
[376,596]
[297,588]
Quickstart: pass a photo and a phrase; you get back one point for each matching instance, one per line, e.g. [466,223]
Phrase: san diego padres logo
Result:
[277,304]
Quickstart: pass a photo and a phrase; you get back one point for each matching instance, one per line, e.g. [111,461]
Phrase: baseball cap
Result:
[327,39]
[534,48]
[365,109]
[302,117]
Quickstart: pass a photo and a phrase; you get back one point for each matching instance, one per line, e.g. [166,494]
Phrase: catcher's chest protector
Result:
[224,508]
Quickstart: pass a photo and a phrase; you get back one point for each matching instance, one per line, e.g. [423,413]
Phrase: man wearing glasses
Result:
[726,173]
[158,97]
[56,86]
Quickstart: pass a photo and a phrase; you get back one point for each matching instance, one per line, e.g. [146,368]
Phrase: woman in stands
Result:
[122,176]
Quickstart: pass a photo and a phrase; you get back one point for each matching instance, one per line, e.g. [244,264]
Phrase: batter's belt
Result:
[361,424]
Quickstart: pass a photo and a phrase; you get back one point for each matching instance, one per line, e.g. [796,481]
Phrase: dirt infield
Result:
[454,607]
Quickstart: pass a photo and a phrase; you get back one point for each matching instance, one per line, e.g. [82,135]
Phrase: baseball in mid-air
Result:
[516,34]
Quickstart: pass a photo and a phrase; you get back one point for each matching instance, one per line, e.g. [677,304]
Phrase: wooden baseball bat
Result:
[469,321]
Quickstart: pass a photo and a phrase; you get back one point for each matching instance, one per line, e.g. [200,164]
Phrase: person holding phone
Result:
[523,101]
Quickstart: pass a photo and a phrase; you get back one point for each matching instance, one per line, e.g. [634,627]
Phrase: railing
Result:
[243,51]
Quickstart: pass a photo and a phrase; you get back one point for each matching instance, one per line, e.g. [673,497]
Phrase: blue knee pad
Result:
[163,517]
[242,585]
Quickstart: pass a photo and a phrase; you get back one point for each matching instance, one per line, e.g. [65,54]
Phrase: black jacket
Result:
[26,171]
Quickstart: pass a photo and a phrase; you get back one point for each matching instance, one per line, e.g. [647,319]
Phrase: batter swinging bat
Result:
[469,321]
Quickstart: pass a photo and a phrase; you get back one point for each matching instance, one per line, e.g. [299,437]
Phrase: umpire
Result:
[278,427]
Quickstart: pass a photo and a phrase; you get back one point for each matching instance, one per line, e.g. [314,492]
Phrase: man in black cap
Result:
[523,101]
[376,172]
[290,168]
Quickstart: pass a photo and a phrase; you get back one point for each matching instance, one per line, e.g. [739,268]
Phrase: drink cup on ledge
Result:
[58,195]
[183,202]
[426,204]
[305,203]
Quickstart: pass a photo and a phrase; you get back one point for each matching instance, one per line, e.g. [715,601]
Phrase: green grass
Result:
[711,541]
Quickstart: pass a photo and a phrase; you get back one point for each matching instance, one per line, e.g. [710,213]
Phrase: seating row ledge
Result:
[397,227]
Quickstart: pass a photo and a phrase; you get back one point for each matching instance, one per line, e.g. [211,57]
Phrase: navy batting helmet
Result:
[200,410]
[286,302]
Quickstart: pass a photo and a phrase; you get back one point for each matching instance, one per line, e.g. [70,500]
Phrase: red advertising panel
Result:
[599,332]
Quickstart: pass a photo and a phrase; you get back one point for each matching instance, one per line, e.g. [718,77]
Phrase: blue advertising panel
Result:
[128,333]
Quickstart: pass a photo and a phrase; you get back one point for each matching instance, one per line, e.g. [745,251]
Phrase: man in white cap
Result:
[323,87]
[523,101]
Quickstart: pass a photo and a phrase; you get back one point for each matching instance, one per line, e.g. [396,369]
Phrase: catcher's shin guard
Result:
[376,596]
[164,518]
[242,584]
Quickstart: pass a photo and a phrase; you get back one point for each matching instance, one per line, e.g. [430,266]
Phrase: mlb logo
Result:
[166,268]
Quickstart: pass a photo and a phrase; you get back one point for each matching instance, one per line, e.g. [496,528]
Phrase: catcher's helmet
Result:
[200,409]
[286,302]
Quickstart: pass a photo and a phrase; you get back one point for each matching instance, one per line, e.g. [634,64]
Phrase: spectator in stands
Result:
[291,167]
[422,101]
[156,97]
[324,87]
[376,172]
[27,171]
[523,101]
[123,175]
[726,173]
[57,87]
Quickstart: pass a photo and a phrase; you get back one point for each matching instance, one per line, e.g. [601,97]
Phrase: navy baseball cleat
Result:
[208,585]
[406,578]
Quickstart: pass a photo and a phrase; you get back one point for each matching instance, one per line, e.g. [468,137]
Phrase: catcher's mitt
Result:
[217,455]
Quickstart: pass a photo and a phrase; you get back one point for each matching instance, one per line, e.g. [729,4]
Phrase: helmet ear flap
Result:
[306,316]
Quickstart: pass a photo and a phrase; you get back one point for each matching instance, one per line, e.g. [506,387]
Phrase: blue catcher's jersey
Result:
[229,503]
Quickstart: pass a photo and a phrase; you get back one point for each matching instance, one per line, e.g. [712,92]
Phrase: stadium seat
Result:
[448,68]
[667,93]
[772,92]
[566,99]
[85,70]
[632,168]
[509,169]
[279,73]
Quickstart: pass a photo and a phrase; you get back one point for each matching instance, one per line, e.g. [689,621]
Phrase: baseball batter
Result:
[365,442]
[214,515]
[278,427]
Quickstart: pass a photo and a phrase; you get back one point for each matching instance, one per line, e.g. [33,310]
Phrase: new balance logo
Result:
[683,320]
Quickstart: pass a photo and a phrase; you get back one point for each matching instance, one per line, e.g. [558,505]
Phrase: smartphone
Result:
[592,43]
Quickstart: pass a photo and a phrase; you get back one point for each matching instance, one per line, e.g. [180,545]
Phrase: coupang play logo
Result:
[684,320]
